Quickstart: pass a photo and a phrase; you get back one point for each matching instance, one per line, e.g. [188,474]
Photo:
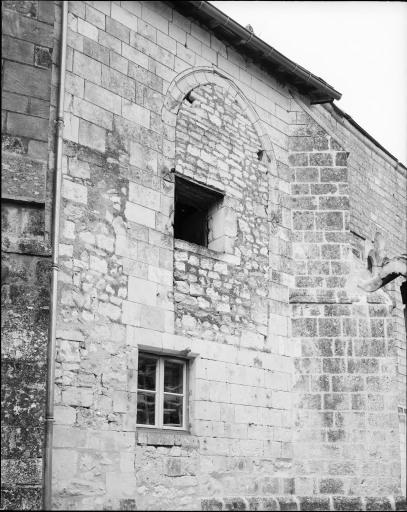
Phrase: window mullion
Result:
[184,388]
[157,394]
[160,394]
[178,400]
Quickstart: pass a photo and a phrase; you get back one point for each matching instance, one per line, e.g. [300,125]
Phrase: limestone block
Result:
[87,29]
[102,97]
[82,397]
[129,249]
[152,318]
[109,311]
[155,19]
[127,462]
[133,55]
[98,264]
[71,127]
[69,230]
[64,460]
[160,275]
[144,196]
[94,16]
[120,401]
[87,68]
[78,168]
[27,126]
[74,191]
[279,324]
[105,242]
[120,484]
[252,339]
[17,50]
[108,41]
[136,268]
[119,63]
[140,214]
[143,157]
[142,291]
[125,17]
[146,337]
[22,177]
[68,351]
[91,135]
[118,30]
[118,83]
[135,113]
[65,415]
[92,113]
[131,313]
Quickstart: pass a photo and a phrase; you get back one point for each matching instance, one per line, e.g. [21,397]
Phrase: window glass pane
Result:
[146,372]
[145,408]
[173,377]
[172,410]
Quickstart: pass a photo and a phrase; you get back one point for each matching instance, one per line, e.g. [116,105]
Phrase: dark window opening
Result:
[192,205]
[370,264]
[403,290]
[190,98]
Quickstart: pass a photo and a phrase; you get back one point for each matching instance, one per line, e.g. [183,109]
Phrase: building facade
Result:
[216,345]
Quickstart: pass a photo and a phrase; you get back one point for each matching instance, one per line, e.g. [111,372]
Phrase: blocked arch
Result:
[192,78]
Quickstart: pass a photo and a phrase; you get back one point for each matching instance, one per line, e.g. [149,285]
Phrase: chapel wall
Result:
[28,57]
[291,371]
[117,283]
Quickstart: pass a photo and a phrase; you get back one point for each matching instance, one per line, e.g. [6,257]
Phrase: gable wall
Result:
[120,274]
[28,49]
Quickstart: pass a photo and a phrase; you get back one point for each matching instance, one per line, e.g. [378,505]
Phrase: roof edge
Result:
[311,85]
[361,130]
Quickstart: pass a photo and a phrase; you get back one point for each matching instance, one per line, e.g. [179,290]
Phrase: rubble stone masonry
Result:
[293,371]
[27,52]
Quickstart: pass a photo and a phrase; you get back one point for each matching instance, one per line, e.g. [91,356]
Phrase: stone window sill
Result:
[204,251]
[161,437]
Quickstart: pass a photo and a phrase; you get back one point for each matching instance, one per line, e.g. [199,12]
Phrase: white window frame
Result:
[159,391]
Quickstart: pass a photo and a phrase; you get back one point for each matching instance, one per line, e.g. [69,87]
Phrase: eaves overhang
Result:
[248,44]
[366,134]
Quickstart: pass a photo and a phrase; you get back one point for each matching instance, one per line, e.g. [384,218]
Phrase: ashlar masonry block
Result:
[142,291]
[74,191]
[144,196]
[140,214]
[127,285]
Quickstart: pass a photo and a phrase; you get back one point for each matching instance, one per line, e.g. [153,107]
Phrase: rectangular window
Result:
[161,392]
[194,204]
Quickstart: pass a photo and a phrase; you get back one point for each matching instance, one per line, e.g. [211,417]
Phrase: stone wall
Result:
[375,178]
[216,144]
[281,413]
[125,284]
[347,401]
[116,280]
[27,48]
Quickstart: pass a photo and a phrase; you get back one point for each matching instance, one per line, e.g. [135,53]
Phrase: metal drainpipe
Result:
[49,414]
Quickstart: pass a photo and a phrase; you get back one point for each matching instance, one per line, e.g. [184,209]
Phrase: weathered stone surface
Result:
[314,503]
[347,503]
[23,177]
[292,375]
[401,503]
[27,80]
[338,347]
[27,47]
[26,28]
[211,504]
[206,300]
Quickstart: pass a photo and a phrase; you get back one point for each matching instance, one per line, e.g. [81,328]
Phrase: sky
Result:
[359,48]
